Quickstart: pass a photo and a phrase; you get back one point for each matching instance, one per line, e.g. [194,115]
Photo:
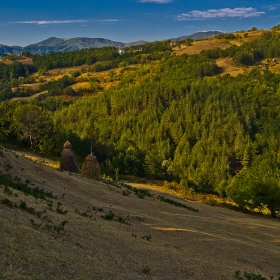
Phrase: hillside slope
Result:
[135,239]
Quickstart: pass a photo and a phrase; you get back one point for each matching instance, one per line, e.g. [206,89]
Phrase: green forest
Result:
[174,118]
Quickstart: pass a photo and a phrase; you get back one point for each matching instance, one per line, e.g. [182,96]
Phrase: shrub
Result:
[146,269]
[108,216]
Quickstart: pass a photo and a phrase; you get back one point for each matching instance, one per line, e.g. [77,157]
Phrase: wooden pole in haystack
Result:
[91,168]
[68,159]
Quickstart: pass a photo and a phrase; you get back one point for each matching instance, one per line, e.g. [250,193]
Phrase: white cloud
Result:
[156,1]
[110,20]
[48,22]
[271,7]
[220,13]
[44,22]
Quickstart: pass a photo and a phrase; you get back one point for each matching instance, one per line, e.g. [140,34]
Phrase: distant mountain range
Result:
[54,44]
[10,50]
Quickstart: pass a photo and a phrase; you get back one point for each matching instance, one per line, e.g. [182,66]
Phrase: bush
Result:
[257,188]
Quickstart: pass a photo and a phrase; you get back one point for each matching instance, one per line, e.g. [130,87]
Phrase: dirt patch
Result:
[229,67]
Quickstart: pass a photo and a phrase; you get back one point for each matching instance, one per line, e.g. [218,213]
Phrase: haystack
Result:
[91,168]
[68,159]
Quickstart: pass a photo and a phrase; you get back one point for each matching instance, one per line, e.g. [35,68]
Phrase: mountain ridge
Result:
[198,35]
[54,44]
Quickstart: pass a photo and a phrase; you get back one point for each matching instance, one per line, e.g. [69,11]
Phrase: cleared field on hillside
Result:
[226,64]
[198,46]
[22,59]
[146,238]
[229,67]
[94,82]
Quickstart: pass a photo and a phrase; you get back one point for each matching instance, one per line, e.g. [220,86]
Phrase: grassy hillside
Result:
[218,42]
[76,228]
[226,64]
[86,81]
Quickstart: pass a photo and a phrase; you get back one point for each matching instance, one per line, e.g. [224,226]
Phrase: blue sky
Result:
[27,22]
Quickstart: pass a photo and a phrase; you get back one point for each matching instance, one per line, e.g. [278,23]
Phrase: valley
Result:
[186,133]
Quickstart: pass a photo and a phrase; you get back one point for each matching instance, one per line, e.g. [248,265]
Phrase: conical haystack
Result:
[90,168]
[68,159]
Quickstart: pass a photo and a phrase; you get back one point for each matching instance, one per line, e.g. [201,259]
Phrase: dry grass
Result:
[210,244]
[198,46]
[28,98]
[66,70]
[155,187]
[229,67]
[81,85]
[38,159]
[22,59]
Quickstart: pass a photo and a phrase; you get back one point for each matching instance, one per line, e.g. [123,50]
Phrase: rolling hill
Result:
[57,225]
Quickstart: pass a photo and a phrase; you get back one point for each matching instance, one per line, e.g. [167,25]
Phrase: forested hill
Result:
[167,117]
